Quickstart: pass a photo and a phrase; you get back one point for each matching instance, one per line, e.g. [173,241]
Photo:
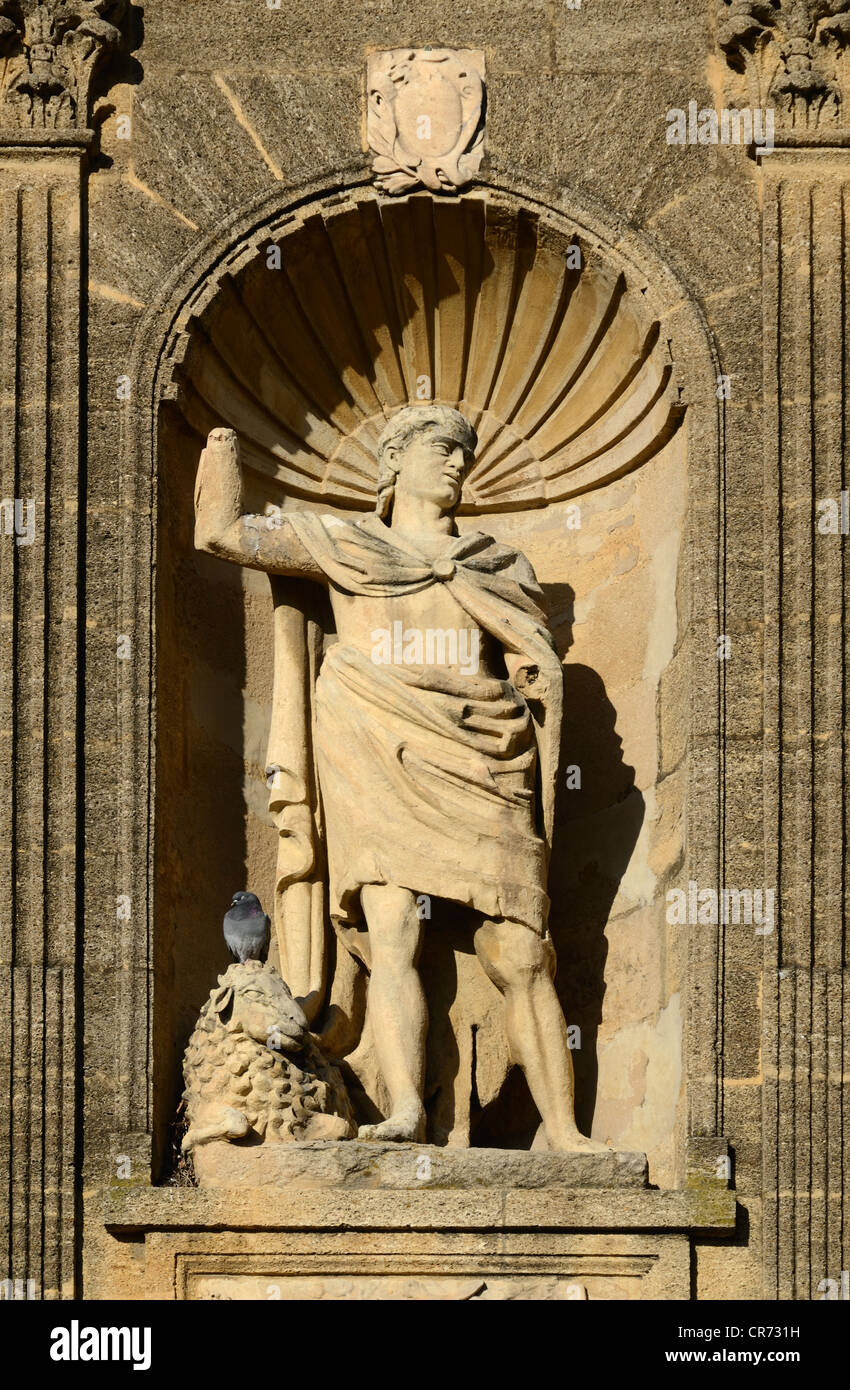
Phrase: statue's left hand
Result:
[529,681]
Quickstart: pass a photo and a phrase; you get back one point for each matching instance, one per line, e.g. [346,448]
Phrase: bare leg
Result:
[397,1009]
[521,964]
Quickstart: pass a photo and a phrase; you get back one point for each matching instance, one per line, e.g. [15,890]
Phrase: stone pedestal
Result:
[397,1167]
[410,1221]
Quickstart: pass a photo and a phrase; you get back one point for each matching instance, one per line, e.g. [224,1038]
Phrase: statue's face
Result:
[432,466]
[261,1002]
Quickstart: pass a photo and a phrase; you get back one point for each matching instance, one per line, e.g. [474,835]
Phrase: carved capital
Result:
[791,55]
[50,50]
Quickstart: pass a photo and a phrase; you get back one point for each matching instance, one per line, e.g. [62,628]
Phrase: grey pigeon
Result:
[246,928]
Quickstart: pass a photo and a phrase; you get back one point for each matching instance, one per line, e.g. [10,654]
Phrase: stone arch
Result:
[664,364]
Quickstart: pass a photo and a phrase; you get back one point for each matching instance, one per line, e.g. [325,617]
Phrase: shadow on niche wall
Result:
[200,824]
[596,829]
[597,825]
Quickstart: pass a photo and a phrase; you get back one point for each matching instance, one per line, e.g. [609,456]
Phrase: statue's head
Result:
[426,450]
[253,999]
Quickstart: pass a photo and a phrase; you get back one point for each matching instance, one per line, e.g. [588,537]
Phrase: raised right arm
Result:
[223,528]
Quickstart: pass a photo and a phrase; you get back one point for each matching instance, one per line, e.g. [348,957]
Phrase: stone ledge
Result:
[357,1165]
[39,140]
[138,1210]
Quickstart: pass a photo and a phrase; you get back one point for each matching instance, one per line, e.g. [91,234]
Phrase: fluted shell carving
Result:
[550,353]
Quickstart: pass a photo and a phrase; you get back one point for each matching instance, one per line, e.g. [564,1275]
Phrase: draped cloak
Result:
[423,776]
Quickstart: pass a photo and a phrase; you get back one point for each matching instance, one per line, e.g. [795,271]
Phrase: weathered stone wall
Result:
[579,102]
[233,105]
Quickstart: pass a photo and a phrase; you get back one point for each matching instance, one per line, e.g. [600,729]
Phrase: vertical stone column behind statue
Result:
[792,60]
[806,207]
[50,53]
[40,255]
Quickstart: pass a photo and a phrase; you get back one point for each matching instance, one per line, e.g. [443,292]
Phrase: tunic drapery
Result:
[430,778]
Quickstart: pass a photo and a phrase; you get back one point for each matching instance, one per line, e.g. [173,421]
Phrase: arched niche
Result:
[479,302]
[590,379]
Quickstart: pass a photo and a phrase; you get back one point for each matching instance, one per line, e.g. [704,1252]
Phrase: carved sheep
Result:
[253,1071]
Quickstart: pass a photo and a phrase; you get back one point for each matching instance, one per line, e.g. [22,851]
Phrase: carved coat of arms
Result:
[425,117]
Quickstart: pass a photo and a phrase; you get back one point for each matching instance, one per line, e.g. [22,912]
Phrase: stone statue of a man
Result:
[437,718]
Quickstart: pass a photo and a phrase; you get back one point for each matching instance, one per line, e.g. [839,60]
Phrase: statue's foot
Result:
[407,1126]
[575,1143]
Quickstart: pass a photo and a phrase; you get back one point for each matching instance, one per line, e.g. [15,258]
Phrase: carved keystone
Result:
[425,121]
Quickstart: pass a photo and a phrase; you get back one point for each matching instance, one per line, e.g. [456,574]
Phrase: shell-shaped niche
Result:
[476,303]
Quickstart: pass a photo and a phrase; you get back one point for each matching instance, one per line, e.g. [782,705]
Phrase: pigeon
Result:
[246,928]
